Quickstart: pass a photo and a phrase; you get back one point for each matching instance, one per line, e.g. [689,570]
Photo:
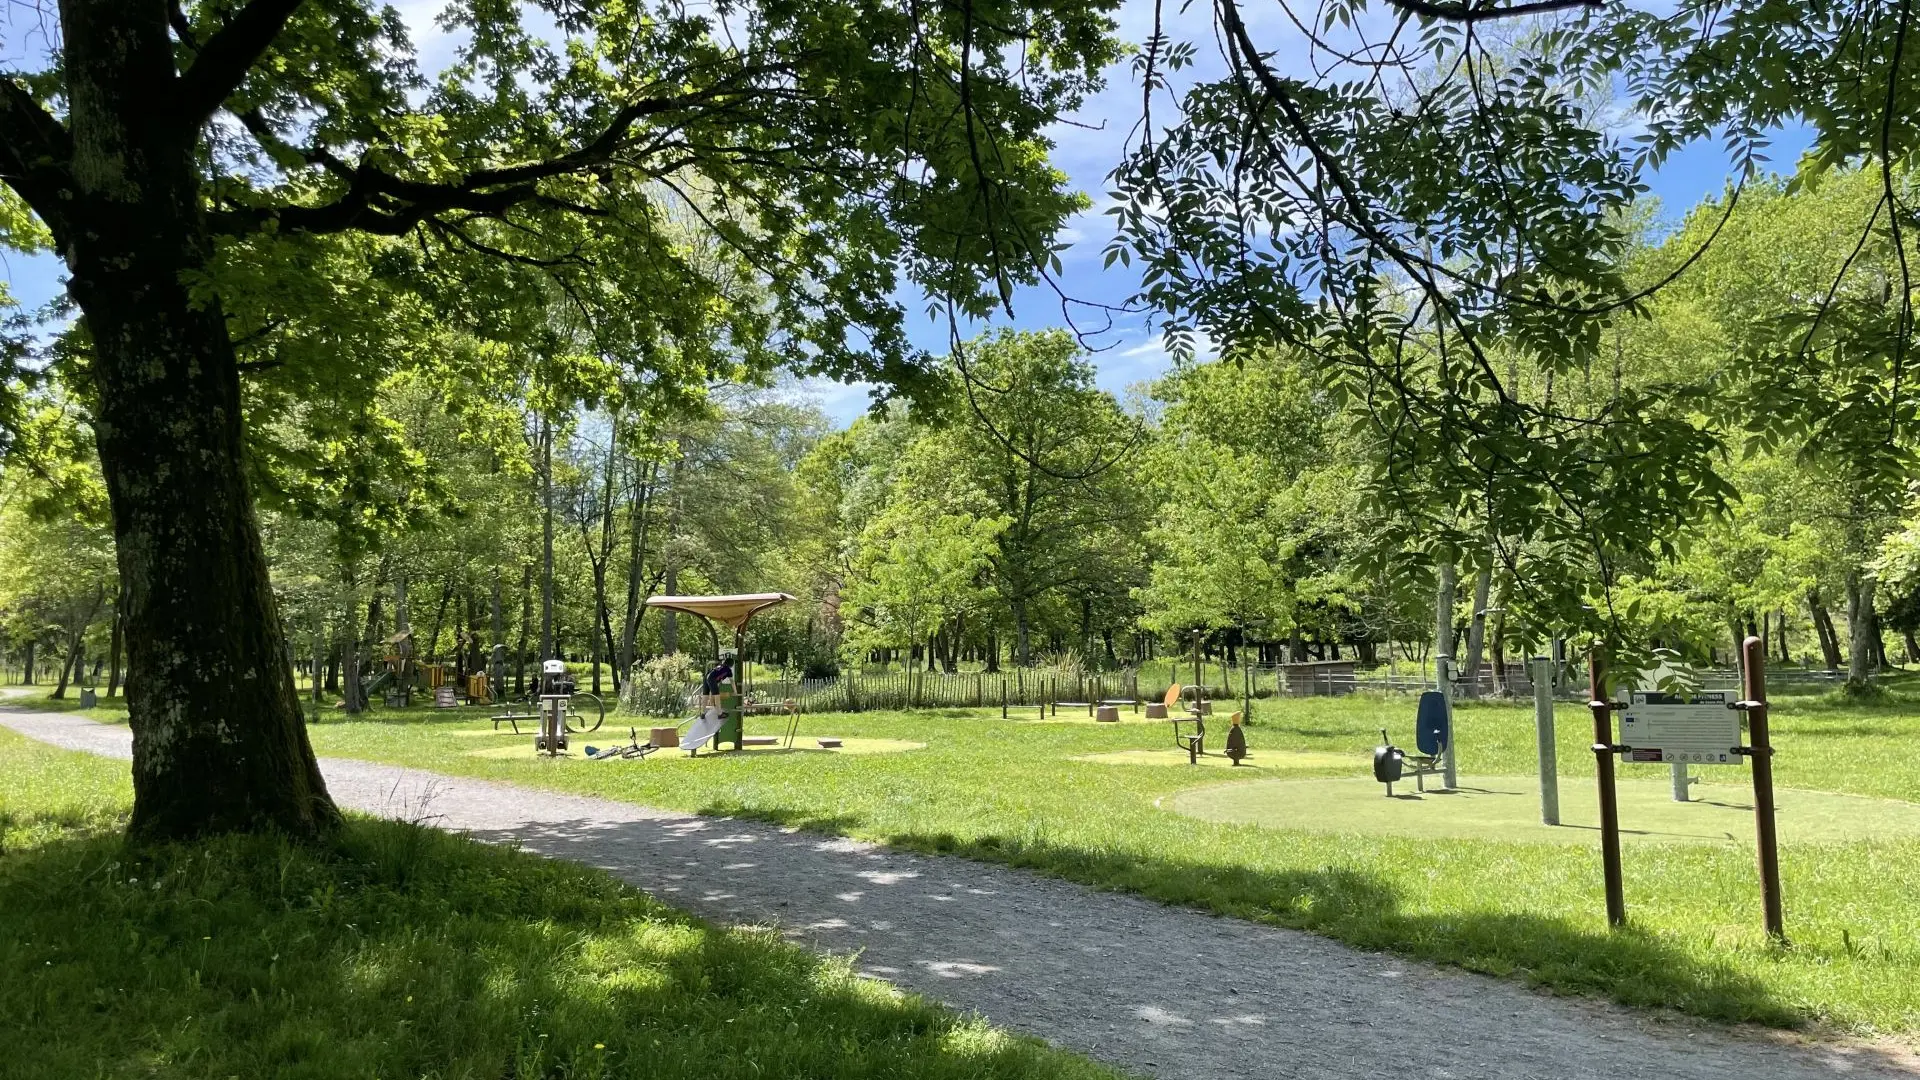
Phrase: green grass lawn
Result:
[403,952]
[1014,792]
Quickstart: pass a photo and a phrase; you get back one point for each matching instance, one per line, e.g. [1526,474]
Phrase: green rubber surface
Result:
[1508,808]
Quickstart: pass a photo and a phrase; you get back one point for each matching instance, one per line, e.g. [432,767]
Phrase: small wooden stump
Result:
[1205,708]
[829,742]
[1107,714]
[662,737]
[1156,710]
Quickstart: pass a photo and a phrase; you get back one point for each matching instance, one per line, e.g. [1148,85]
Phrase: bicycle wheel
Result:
[585,712]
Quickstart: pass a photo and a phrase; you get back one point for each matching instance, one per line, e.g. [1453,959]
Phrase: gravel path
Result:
[1156,990]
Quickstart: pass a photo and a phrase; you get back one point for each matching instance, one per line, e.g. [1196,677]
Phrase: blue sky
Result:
[1130,352]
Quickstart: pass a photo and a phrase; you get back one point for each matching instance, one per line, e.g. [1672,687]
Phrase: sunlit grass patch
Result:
[403,952]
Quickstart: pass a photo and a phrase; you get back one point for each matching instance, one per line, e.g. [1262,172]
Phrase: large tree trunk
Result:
[27,675]
[218,738]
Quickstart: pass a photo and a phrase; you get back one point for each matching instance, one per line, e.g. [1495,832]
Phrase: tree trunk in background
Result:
[593,640]
[993,653]
[637,522]
[1734,628]
[1823,627]
[526,627]
[670,583]
[117,644]
[669,622]
[1861,649]
[1477,629]
[1443,614]
[1022,641]
[1496,640]
[219,742]
[402,623]
[431,653]
[546,539]
[1786,657]
[27,676]
[319,649]
[356,691]
[67,666]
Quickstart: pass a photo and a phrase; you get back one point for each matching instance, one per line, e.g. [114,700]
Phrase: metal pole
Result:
[1755,657]
[1544,736]
[1681,782]
[1602,706]
[1443,669]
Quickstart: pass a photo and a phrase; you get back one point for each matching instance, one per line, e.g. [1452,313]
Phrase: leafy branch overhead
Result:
[830,154]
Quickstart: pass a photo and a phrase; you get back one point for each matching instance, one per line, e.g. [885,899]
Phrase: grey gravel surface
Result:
[1155,990]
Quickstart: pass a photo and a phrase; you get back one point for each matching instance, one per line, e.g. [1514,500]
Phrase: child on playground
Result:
[722,673]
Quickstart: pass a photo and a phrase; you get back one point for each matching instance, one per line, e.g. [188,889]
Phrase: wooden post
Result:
[1754,672]
[1602,706]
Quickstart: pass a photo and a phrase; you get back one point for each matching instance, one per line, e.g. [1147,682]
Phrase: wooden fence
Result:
[857,691]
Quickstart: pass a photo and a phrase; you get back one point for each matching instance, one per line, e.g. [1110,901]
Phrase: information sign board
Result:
[1693,729]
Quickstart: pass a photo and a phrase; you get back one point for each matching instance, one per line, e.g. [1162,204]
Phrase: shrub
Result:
[659,687]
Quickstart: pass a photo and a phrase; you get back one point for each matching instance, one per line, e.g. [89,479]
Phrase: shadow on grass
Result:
[405,952]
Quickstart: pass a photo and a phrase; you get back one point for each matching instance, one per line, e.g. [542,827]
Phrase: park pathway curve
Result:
[1156,990]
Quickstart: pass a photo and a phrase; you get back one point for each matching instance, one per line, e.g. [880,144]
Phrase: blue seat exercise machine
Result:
[1432,729]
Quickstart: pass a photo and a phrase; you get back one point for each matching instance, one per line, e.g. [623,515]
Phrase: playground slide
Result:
[703,728]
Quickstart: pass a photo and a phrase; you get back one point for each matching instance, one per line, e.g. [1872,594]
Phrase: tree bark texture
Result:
[1861,636]
[219,743]
[1443,612]
[1823,626]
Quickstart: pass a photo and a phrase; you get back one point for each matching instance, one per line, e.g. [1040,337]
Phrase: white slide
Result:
[702,729]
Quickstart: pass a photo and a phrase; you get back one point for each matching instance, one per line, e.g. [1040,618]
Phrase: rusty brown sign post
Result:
[1759,750]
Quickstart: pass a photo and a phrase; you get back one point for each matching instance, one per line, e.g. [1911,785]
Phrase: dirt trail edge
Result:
[1157,990]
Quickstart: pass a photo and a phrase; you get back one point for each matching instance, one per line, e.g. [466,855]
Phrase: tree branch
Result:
[379,202]
[226,57]
[35,152]
[1468,11]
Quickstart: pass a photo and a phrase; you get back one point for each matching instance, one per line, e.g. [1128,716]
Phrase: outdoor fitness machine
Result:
[1432,736]
[556,689]
[1699,729]
[734,611]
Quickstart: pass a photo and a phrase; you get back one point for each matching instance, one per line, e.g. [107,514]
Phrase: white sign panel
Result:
[1695,729]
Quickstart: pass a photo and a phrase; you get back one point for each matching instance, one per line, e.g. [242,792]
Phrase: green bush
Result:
[659,687]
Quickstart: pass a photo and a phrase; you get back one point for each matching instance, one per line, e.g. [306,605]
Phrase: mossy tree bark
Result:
[218,738]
